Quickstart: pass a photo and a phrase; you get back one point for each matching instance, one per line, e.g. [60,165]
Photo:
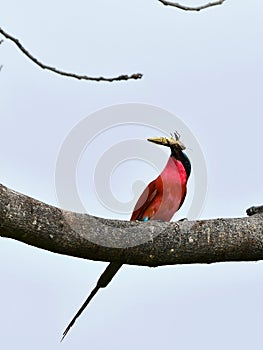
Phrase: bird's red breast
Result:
[164,195]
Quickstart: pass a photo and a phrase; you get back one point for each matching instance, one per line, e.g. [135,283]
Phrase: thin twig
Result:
[67,74]
[191,8]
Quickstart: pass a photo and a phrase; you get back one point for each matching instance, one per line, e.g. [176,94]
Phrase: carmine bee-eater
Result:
[159,201]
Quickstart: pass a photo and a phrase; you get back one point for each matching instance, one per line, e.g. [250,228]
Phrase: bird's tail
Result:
[103,281]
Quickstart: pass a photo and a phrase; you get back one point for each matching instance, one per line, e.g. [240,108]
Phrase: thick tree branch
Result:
[205,241]
[191,8]
[67,74]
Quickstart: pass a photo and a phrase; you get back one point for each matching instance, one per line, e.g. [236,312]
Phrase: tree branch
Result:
[67,74]
[204,241]
[191,8]
[254,210]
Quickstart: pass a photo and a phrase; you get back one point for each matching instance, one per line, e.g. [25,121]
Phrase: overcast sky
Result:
[205,69]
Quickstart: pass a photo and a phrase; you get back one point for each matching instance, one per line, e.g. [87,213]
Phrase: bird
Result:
[160,200]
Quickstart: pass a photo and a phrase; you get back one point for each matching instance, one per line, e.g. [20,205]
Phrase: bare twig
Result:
[191,8]
[84,236]
[67,74]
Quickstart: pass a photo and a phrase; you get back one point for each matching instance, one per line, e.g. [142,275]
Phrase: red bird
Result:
[159,201]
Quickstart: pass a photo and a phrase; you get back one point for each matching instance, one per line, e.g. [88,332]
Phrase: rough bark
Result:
[204,241]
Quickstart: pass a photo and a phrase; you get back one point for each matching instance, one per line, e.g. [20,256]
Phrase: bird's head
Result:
[173,142]
[176,147]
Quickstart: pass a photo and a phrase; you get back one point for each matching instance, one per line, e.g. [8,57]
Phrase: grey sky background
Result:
[205,68]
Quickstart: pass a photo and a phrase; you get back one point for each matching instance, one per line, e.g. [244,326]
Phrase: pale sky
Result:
[204,68]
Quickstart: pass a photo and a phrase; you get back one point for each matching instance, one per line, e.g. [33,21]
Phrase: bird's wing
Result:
[144,201]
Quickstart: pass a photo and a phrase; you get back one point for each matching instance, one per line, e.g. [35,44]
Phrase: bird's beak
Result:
[159,140]
[164,141]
